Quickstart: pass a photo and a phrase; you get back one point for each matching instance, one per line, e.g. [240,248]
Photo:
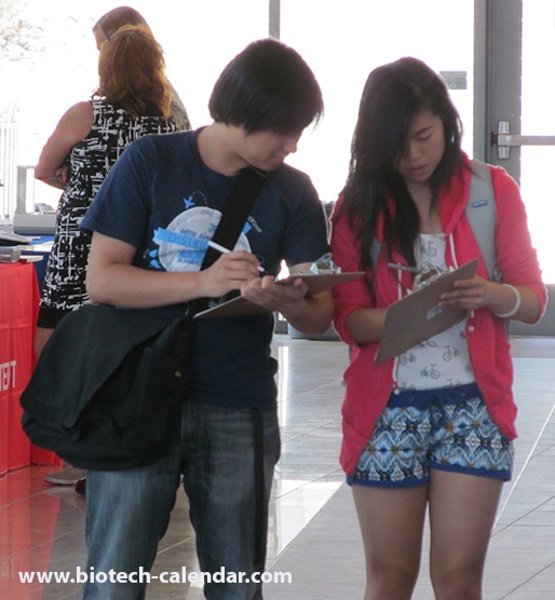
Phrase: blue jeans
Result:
[227,458]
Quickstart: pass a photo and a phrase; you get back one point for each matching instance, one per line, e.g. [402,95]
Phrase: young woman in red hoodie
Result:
[431,429]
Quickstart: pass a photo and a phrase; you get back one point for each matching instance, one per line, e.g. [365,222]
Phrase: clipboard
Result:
[240,307]
[417,317]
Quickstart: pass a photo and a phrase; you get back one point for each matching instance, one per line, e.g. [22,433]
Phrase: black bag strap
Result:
[246,190]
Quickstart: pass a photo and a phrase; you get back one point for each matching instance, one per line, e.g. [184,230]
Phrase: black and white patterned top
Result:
[90,161]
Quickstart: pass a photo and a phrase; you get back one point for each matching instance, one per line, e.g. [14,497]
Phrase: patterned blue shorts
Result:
[448,429]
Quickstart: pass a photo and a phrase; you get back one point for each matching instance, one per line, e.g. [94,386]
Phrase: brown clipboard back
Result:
[239,307]
[417,317]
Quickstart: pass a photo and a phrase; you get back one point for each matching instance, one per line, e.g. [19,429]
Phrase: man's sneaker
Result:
[81,486]
[67,476]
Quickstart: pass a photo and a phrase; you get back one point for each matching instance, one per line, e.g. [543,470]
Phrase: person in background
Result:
[105,28]
[176,187]
[132,100]
[432,429]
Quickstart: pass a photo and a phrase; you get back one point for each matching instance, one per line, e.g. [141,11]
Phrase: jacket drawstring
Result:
[396,359]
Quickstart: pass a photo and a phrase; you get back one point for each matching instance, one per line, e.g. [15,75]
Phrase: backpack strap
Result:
[236,211]
[375,250]
[482,216]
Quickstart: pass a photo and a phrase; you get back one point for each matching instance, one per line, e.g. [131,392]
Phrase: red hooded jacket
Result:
[368,386]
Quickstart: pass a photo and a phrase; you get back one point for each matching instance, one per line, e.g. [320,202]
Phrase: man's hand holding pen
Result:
[230,272]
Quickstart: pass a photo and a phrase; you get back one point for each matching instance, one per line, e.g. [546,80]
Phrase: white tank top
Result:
[442,360]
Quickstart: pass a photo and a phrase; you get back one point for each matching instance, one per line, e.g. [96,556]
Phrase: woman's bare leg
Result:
[462,513]
[391,522]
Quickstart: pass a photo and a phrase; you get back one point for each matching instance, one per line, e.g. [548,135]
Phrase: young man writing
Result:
[176,186]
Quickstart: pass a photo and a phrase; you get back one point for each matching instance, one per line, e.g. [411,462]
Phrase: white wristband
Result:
[515,308]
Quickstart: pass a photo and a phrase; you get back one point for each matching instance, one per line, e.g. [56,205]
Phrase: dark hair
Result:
[131,73]
[268,86]
[118,17]
[393,95]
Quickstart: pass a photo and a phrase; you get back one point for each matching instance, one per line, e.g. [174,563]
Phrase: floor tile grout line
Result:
[287,547]
[524,466]
[527,581]
[297,436]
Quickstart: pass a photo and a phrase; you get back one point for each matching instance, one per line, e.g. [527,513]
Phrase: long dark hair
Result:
[392,96]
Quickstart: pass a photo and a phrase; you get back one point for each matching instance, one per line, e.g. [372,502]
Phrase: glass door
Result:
[524,132]
[538,99]
[493,62]
[344,40]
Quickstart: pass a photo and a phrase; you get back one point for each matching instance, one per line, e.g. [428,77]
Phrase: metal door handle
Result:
[504,140]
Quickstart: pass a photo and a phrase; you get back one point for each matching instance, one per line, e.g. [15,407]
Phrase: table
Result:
[40,246]
[19,298]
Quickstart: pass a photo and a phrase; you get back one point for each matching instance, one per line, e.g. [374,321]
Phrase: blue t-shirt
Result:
[161,198]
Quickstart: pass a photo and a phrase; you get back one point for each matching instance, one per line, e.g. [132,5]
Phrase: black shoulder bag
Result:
[109,385]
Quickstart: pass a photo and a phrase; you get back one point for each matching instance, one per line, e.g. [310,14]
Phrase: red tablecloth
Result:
[19,298]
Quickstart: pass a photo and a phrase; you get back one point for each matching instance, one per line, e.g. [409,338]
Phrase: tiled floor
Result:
[314,535]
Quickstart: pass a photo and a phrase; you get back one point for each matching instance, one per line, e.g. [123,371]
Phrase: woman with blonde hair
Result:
[132,100]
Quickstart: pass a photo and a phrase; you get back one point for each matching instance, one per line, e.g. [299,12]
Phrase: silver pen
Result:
[224,250]
[403,267]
